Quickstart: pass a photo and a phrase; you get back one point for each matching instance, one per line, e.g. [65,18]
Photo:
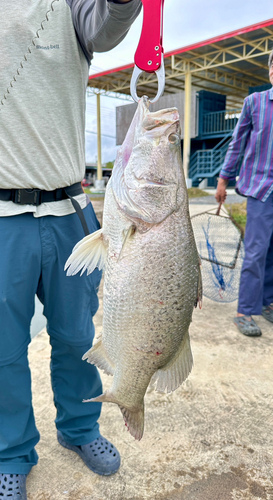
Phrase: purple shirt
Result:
[252,144]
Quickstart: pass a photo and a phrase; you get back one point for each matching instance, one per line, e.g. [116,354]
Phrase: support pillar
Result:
[187,128]
[99,183]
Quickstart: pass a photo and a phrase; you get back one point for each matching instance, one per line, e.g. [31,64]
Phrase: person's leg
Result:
[74,380]
[257,241]
[18,433]
[69,306]
[268,278]
[267,310]
[20,259]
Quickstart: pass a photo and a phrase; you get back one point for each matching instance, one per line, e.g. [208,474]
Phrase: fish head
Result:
[148,176]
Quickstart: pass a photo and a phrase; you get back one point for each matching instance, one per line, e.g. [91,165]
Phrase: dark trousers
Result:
[256,285]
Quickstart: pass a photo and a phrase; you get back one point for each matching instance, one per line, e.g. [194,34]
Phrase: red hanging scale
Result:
[149,56]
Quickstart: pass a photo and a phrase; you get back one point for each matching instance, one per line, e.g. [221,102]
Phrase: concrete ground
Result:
[212,439]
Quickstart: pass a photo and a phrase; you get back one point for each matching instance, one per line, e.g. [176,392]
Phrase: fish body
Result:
[152,273]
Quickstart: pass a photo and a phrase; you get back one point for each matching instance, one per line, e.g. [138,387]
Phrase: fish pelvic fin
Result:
[89,253]
[134,420]
[173,374]
[98,356]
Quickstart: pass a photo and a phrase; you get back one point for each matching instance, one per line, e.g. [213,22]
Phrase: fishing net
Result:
[219,241]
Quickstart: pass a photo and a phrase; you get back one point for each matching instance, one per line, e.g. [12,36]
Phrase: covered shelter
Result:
[231,65]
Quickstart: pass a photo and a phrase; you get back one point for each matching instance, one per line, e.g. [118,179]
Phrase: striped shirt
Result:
[252,148]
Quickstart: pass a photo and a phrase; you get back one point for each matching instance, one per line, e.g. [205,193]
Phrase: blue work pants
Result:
[33,252]
[256,284]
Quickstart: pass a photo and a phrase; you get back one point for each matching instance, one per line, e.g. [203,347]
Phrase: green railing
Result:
[220,121]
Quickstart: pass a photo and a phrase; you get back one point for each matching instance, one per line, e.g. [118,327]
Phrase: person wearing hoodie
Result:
[46,50]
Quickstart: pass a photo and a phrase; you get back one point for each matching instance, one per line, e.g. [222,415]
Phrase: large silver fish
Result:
[152,274]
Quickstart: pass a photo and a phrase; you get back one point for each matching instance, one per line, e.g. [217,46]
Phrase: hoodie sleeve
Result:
[102,24]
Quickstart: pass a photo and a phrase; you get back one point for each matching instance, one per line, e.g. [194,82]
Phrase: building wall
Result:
[124,114]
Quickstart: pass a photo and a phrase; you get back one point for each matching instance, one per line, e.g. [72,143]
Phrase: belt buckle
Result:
[28,196]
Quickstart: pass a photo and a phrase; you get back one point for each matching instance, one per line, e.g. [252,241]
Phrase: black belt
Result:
[38,196]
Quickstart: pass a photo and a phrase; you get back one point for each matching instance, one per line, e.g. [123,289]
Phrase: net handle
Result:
[219,208]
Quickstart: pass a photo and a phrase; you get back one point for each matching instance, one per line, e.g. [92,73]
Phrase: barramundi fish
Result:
[152,275]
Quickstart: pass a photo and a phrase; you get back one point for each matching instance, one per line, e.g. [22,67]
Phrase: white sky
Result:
[185,22]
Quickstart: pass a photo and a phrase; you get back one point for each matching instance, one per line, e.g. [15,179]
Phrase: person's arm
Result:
[102,24]
[235,151]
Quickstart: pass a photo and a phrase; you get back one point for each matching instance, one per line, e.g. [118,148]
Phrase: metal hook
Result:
[160,73]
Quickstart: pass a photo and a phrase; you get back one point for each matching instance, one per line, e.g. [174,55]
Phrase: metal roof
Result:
[228,64]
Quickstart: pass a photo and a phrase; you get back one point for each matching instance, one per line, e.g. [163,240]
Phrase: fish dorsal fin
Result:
[173,374]
[98,356]
[89,253]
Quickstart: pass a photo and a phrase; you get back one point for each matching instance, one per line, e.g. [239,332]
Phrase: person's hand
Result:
[221,192]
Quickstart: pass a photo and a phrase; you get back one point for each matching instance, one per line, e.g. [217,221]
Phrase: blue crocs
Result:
[13,487]
[100,455]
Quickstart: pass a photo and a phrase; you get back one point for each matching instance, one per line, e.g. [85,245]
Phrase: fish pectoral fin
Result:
[89,253]
[173,374]
[98,356]
[134,421]
[128,234]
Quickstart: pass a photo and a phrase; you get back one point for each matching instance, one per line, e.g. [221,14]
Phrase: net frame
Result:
[233,265]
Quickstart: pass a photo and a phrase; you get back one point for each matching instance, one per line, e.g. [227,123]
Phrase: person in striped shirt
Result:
[251,153]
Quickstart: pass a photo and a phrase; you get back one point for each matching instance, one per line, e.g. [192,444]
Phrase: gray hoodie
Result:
[45,50]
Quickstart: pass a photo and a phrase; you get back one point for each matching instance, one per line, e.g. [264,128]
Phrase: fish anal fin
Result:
[173,374]
[98,356]
[134,420]
[89,253]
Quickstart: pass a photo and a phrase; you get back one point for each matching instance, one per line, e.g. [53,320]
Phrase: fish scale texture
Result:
[152,274]
[147,311]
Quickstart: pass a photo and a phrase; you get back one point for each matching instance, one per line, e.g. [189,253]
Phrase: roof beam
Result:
[225,56]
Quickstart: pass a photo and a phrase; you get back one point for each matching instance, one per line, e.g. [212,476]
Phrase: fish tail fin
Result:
[89,253]
[134,421]
[98,356]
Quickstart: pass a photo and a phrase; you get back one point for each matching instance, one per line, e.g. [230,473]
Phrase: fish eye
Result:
[173,138]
